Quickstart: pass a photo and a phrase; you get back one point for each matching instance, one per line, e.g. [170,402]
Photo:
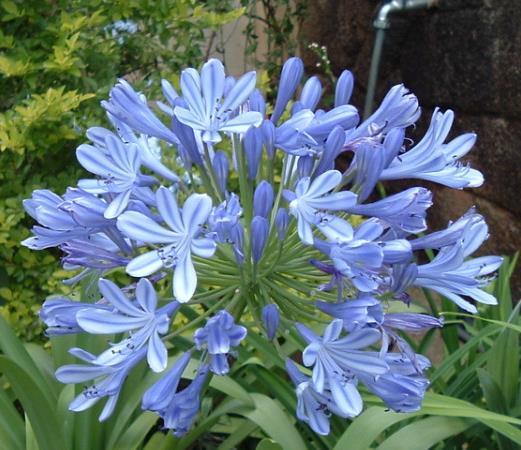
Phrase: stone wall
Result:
[462,54]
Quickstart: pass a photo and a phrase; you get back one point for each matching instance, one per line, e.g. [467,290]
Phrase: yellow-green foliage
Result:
[58,59]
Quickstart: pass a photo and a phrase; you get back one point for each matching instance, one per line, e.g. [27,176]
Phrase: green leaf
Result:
[364,430]
[137,431]
[424,434]
[275,422]
[11,424]
[40,411]
[268,444]
[13,348]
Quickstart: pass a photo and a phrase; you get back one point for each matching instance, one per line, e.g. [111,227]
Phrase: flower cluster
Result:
[234,205]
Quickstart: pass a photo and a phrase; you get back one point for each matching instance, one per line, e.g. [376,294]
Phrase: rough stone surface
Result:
[462,54]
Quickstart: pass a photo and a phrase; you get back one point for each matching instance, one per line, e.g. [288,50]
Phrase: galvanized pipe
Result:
[381,24]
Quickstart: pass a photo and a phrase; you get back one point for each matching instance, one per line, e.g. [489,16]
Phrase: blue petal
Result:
[117,298]
[104,322]
[185,279]
[156,354]
[146,295]
[142,228]
[145,264]
[195,212]
[212,85]
[167,207]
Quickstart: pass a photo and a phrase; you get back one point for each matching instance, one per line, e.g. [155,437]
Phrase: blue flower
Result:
[365,310]
[399,109]
[206,110]
[58,225]
[148,147]
[455,278]
[109,380]
[315,407]
[118,166]
[337,361]
[183,238]
[435,161]
[142,318]
[311,196]
[218,336]
[177,409]
[469,225]
[128,106]
[402,388]
[404,211]
[94,252]
[59,314]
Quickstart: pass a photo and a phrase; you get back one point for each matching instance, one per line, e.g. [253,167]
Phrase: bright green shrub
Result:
[58,59]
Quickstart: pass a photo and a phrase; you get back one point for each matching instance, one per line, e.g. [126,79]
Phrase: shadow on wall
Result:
[462,54]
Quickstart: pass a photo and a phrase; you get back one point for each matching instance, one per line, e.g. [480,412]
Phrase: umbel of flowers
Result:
[237,207]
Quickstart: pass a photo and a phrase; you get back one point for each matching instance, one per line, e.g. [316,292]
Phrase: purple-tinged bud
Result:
[311,93]
[257,102]
[305,166]
[392,145]
[263,199]
[187,141]
[237,237]
[344,88]
[268,137]
[259,235]
[169,92]
[252,144]
[333,147]
[281,222]
[221,169]
[271,319]
[290,77]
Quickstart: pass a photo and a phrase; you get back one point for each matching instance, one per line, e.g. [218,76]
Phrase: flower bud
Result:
[290,77]
[344,88]
[271,319]
[263,199]
[221,169]
[281,222]
[259,236]
[252,144]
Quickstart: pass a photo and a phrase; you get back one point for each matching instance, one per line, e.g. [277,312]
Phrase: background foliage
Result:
[58,59]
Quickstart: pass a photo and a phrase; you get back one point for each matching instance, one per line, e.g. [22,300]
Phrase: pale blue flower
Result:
[311,197]
[315,408]
[183,238]
[206,110]
[433,160]
[218,336]
[338,360]
[142,318]
[118,166]
[131,108]
[108,380]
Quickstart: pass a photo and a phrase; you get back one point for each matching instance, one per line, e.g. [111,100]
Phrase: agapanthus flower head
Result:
[236,207]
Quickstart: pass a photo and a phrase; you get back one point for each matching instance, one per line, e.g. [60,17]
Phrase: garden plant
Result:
[238,288]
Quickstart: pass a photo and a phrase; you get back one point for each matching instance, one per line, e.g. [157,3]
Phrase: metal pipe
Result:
[381,24]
